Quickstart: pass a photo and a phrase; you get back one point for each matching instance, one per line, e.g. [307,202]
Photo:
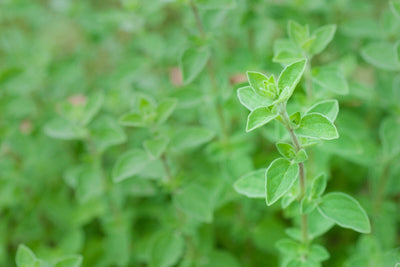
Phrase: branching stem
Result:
[302,176]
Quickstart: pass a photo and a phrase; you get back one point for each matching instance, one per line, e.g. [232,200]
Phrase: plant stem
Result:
[211,74]
[308,76]
[302,176]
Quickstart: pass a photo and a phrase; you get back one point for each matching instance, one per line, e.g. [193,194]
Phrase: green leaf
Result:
[167,249]
[156,147]
[25,257]
[301,156]
[331,79]
[221,258]
[316,125]
[251,100]
[259,117]
[60,128]
[132,119]
[216,4]
[259,82]
[280,176]
[70,261]
[395,7]
[165,109]
[106,132]
[92,107]
[381,55]
[345,211]
[389,133]
[318,253]
[252,184]
[196,202]
[129,164]
[288,247]
[323,36]
[286,150]
[191,137]
[329,108]
[193,61]
[307,205]
[318,186]
[88,181]
[290,77]
[298,33]
[318,224]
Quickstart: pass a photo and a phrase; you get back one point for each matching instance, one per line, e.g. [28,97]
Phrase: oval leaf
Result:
[279,178]
[290,77]
[259,117]
[193,61]
[316,125]
[252,184]
[345,211]
[329,108]
[130,164]
[167,249]
[323,36]
[251,100]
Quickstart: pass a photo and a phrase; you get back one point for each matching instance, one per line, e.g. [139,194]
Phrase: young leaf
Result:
[191,137]
[329,108]
[167,249]
[323,36]
[165,109]
[92,107]
[251,100]
[290,77]
[345,211]
[196,202]
[259,117]
[60,128]
[286,150]
[318,186]
[132,119]
[193,61]
[318,253]
[258,82]
[316,125]
[288,247]
[106,132]
[155,147]
[298,33]
[279,178]
[331,78]
[129,164]
[252,184]
[25,256]
[301,156]
[381,55]
[70,261]
[307,205]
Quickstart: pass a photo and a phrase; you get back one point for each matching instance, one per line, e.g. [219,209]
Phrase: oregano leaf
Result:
[316,125]
[323,36]
[279,178]
[345,211]
[329,108]
[259,117]
[252,184]
[193,61]
[291,76]
[251,100]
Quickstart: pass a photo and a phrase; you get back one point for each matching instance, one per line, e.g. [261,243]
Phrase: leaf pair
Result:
[263,94]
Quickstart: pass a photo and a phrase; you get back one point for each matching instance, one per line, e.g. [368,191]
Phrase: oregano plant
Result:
[267,97]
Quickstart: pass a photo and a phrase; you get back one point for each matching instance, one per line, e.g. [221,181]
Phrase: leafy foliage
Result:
[124,139]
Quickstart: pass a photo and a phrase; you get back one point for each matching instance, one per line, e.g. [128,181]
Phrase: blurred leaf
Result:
[191,137]
[196,202]
[193,61]
[252,184]
[130,164]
